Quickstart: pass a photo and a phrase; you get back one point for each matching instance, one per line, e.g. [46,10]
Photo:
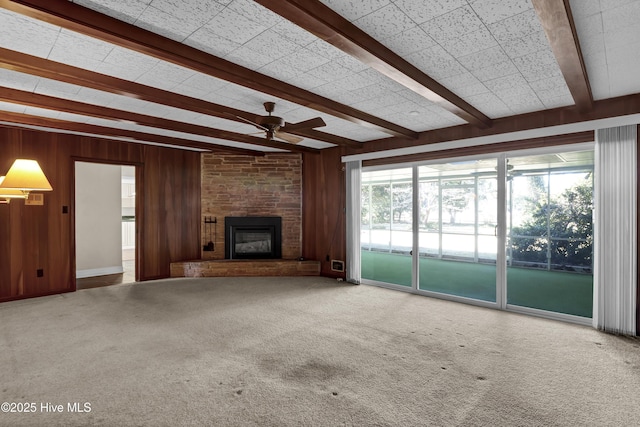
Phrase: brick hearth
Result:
[243,267]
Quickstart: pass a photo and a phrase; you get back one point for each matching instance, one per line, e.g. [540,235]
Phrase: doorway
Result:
[105,224]
[128,198]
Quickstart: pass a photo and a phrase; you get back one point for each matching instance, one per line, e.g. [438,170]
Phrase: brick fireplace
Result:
[245,186]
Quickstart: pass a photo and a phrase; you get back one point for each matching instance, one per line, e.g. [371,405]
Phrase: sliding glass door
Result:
[513,231]
[387,226]
[550,233]
[458,219]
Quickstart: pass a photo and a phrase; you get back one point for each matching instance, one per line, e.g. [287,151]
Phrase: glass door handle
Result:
[495,231]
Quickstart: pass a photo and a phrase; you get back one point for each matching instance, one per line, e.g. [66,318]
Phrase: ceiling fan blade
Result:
[288,137]
[305,124]
[253,123]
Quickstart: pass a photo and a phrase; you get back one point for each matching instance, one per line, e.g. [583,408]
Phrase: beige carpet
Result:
[304,352]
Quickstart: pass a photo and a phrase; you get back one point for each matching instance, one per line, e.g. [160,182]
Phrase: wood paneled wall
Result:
[43,237]
[323,205]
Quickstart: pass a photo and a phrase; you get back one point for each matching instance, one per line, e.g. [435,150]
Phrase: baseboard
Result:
[92,272]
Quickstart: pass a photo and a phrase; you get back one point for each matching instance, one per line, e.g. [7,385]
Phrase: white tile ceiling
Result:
[609,36]
[492,53]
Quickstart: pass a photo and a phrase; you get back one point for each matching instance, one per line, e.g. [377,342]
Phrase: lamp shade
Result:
[6,193]
[25,175]
[9,193]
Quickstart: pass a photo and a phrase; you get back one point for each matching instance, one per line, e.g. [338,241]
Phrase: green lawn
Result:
[562,292]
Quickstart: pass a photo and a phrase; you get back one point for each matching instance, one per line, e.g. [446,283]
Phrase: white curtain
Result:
[615,222]
[353,182]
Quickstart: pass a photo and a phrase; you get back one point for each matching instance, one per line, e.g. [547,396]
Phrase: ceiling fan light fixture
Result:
[269,106]
[276,128]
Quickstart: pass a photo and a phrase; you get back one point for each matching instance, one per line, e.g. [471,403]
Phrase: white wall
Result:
[128,208]
[128,190]
[98,219]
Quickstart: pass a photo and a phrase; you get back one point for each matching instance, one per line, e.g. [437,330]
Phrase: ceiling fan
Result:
[276,128]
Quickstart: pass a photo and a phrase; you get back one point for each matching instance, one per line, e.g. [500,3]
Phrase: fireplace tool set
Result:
[208,220]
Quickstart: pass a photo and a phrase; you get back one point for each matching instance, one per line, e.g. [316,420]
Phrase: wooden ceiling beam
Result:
[40,67]
[75,107]
[104,132]
[602,109]
[77,18]
[521,144]
[20,120]
[557,21]
[327,137]
[331,27]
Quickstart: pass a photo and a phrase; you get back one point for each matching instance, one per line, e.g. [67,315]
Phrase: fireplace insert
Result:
[253,237]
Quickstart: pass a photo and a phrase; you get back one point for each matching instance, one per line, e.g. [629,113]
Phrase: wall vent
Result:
[337,265]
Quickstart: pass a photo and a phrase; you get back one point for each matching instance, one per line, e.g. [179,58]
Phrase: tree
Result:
[573,223]
[455,197]
[564,223]
[365,206]
[402,197]
[380,203]
[428,200]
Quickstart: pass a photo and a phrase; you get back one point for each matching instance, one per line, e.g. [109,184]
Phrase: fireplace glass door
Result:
[254,242]
[253,237]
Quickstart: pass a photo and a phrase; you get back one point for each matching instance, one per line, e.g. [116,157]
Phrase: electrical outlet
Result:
[34,199]
[39,272]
